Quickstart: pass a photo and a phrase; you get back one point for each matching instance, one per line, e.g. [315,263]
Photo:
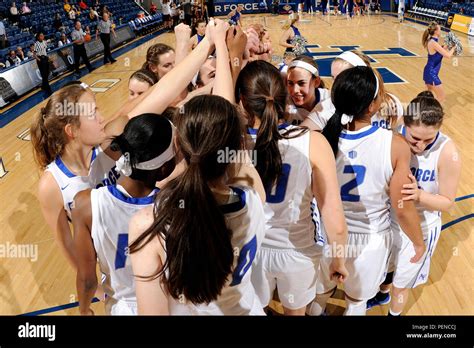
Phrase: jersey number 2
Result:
[122,250]
[359,172]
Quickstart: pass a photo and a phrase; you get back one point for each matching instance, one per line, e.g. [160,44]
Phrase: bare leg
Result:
[299,311]
[400,298]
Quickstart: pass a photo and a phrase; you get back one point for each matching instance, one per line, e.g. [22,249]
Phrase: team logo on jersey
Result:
[325,58]
[352,154]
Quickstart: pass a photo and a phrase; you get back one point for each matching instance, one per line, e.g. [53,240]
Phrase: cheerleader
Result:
[290,32]
[436,53]
[435,172]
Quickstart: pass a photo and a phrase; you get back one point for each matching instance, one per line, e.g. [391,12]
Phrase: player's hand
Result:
[218,30]
[182,33]
[419,252]
[253,41]
[236,42]
[338,271]
[411,191]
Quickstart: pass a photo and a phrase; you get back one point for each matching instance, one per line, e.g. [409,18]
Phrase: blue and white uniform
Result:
[424,168]
[364,170]
[289,257]
[101,173]
[112,209]
[245,217]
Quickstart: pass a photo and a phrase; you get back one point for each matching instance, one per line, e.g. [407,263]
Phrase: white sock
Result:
[318,306]
[355,307]
[395,314]
[386,291]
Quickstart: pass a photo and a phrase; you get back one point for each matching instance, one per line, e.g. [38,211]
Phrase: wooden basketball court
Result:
[47,281]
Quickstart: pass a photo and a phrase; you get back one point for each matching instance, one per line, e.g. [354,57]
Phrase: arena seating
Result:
[439,10]
[43,15]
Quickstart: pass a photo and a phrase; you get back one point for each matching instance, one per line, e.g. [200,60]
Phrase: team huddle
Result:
[224,179]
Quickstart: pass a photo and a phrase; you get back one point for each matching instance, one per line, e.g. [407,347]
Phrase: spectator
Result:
[63,40]
[58,23]
[67,7]
[14,13]
[165,9]
[3,35]
[153,9]
[188,12]
[41,56]
[83,5]
[12,59]
[25,10]
[104,28]
[78,40]
[93,15]
[2,65]
[174,14]
[20,54]
[72,14]
[31,52]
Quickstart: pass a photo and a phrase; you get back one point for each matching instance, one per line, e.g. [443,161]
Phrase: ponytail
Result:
[428,33]
[332,131]
[187,216]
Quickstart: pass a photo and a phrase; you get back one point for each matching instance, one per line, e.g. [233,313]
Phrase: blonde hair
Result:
[292,19]
[428,33]
[47,131]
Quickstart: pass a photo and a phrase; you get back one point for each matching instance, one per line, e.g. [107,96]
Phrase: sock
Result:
[393,314]
[355,307]
[318,306]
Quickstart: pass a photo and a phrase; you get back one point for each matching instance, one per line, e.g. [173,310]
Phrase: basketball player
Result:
[372,167]
[235,16]
[390,113]
[290,31]
[295,166]
[401,10]
[160,59]
[436,169]
[101,216]
[192,252]
[140,81]
[436,53]
[200,27]
[304,87]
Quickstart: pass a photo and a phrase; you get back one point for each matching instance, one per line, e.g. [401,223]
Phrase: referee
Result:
[104,28]
[77,36]
[41,57]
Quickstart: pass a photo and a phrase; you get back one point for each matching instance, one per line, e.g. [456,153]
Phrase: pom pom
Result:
[451,40]
[300,45]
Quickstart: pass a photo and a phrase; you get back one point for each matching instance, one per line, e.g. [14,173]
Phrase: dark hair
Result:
[198,242]
[263,93]
[352,93]
[144,75]
[428,33]
[38,35]
[144,138]
[311,61]
[424,109]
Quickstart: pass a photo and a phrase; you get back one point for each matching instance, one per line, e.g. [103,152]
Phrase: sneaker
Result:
[113,61]
[379,300]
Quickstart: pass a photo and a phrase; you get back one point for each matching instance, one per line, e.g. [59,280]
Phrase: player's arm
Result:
[223,83]
[284,37]
[151,297]
[184,43]
[86,278]
[449,172]
[160,95]
[236,43]
[444,52]
[327,192]
[405,210]
[52,207]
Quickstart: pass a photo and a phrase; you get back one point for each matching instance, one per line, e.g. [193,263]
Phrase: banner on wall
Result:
[222,8]
[21,79]
[463,24]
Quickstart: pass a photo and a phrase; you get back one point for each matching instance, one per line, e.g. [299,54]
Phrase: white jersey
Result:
[291,212]
[112,209]
[364,170]
[101,173]
[298,115]
[245,218]
[322,112]
[385,122]
[424,168]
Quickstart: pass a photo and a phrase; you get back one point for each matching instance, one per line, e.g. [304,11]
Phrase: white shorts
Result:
[409,275]
[121,307]
[366,261]
[292,271]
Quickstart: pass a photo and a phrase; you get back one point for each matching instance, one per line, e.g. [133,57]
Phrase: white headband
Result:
[352,58]
[123,164]
[84,85]
[304,65]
